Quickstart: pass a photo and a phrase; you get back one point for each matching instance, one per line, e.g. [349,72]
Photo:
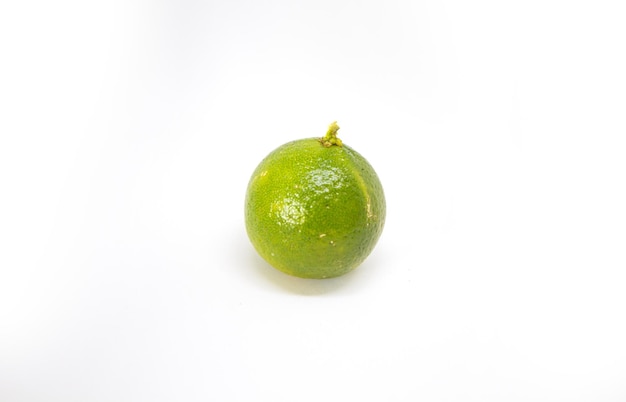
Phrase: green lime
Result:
[315,207]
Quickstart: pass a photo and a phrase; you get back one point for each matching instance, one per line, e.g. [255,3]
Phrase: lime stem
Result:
[330,138]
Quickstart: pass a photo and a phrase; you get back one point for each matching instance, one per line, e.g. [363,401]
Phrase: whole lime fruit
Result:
[315,207]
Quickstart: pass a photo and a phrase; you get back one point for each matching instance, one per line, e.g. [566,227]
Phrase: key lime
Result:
[314,207]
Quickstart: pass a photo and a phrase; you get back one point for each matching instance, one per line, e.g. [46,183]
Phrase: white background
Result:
[129,131]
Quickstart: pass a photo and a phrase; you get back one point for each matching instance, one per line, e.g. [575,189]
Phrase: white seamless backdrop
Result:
[128,133]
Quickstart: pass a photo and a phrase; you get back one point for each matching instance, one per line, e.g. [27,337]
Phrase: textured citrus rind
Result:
[313,211]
